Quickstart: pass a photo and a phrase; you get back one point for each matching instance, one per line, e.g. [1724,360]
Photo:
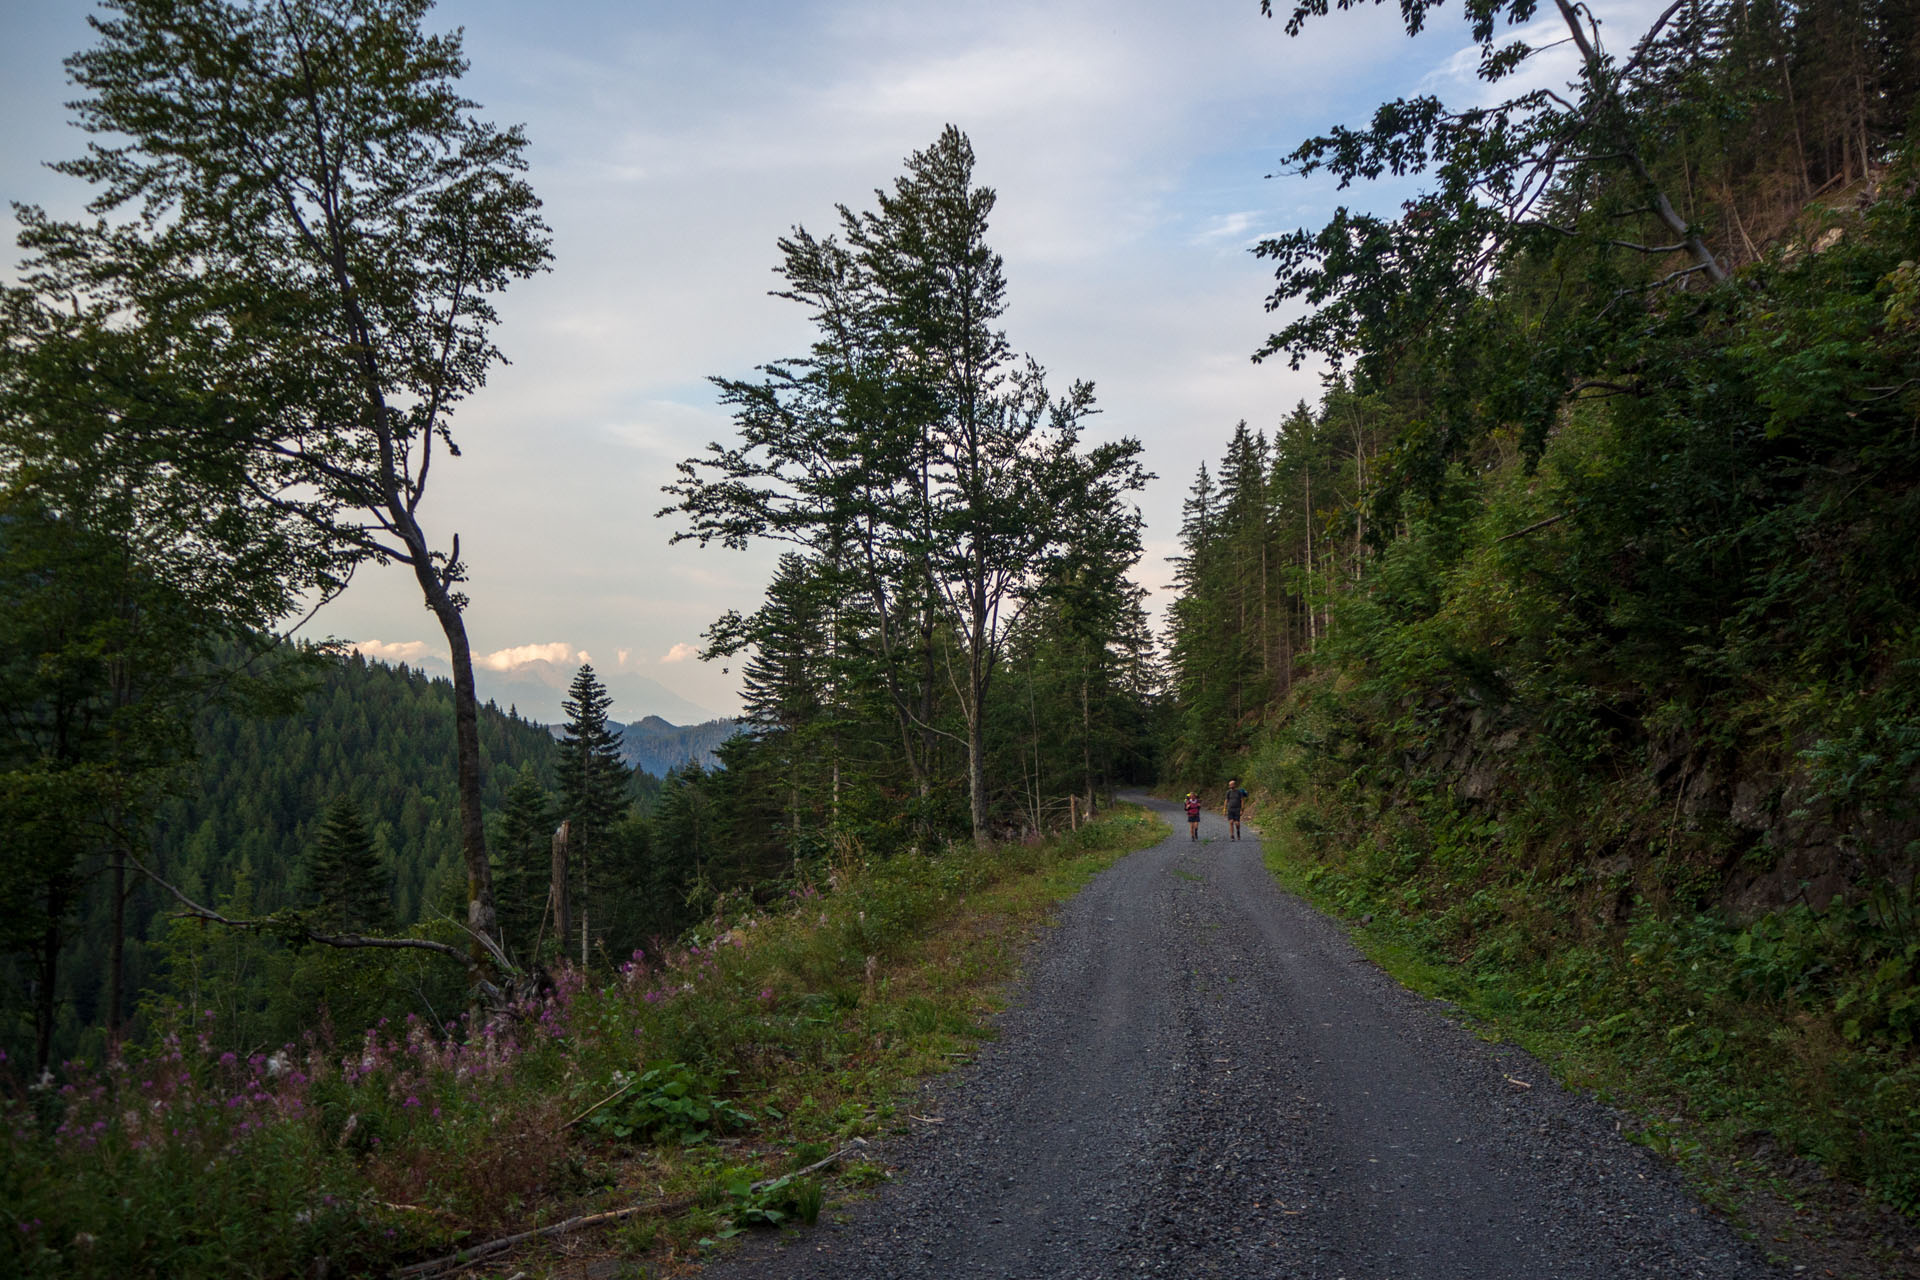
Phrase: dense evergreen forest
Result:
[1578,617]
[241,824]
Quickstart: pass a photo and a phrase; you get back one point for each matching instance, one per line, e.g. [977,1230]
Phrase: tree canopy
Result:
[313,226]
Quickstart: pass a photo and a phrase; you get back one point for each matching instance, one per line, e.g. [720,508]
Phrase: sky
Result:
[1129,142]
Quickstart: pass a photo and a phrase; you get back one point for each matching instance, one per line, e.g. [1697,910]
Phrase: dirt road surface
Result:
[1201,1077]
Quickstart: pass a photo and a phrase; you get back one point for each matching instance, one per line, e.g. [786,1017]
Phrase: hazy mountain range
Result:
[536,689]
[656,746]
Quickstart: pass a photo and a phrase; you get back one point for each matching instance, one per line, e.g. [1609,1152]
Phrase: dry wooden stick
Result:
[1537,524]
[478,1252]
[596,1106]
[857,1144]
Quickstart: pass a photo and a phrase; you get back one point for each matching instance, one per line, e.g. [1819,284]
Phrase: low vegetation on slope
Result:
[1621,748]
[687,1088]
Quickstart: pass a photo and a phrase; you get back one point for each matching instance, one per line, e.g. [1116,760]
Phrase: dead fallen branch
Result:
[294,926]
[622,1090]
[481,1252]
[832,1158]
[1537,524]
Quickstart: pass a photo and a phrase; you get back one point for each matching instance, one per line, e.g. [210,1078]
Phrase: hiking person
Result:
[1236,796]
[1193,815]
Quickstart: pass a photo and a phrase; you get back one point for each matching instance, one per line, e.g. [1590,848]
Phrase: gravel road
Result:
[1200,1076]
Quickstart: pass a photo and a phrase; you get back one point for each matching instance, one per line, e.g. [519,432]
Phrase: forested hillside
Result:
[245,817]
[1577,621]
[374,734]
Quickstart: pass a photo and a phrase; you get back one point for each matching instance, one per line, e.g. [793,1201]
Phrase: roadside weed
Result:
[738,1055]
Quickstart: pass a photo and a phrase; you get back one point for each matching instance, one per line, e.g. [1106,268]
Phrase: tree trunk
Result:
[466,728]
[1033,726]
[1086,737]
[1307,478]
[977,726]
[562,909]
[1793,114]
[977,773]
[926,696]
[117,958]
[46,976]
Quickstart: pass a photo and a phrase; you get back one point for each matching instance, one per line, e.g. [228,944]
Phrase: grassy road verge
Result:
[1732,1085]
[675,1104]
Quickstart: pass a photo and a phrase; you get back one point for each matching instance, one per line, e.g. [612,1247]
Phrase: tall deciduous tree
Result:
[1579,181]
[319,223]
[906,447]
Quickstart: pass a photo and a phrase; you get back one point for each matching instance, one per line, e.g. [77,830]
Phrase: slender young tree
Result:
[343,873]
[318,224]
[593,788]
[792,688]
[525,850]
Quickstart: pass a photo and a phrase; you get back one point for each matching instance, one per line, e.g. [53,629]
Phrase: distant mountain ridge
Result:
[536,690]
[655,746]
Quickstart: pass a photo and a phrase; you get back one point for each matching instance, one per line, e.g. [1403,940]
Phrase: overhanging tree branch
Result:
[293,926]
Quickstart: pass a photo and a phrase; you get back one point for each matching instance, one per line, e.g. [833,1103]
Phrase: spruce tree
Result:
[593,789]
[525,852]
[343,872]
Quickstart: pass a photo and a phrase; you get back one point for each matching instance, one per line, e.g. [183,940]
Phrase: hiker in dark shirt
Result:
[1193,815]
[1236,796]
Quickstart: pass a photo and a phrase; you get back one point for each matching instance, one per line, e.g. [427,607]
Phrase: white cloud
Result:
[525,655]
[680,653]
[670,430]
[1553,64]
[1238,228]
[622,656]
[394,651]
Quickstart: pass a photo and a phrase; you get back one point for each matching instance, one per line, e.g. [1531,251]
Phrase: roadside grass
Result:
[1724,1042]
[692,1089]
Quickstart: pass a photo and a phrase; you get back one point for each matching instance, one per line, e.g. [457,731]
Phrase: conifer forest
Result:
[1570,639]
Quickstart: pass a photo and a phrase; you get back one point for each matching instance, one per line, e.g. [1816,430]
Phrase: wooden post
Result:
[562,916]
[1073,812]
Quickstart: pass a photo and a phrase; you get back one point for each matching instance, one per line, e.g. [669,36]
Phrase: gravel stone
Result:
[1201,1077]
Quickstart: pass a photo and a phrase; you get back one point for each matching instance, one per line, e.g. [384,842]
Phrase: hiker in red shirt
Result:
[1193,815]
